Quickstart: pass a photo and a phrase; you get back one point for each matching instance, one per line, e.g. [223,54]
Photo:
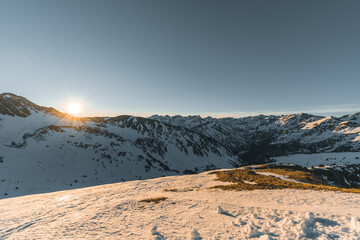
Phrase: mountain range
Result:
[256,139]
[42,149]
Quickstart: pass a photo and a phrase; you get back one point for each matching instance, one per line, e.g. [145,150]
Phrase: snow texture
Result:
[114,211]
[43,153]
[278,176]
[315,159]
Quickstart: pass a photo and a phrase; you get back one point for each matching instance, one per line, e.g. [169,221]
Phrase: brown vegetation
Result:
[309,180]
[155,200]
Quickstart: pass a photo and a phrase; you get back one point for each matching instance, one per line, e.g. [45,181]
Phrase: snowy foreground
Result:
[191,212]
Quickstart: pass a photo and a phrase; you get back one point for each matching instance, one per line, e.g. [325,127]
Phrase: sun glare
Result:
[74,108]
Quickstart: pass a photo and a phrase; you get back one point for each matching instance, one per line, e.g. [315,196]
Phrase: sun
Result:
[74,108]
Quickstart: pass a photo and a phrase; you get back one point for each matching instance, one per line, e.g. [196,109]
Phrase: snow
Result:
[156,234]
[194,235]
[278,176]
[7,96]
[59,160]
[113,211]
[315,159]
[248,182]
[55,161]
[316,133]
[314,124]
[357,139]
[355,224]
[220,210]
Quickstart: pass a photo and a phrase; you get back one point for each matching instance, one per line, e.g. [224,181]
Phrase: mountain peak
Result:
[14,105]
[7,95]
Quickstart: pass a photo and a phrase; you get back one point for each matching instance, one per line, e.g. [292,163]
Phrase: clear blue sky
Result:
[183,57]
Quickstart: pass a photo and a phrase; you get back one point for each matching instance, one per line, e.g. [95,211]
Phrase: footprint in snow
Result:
[156,234]
[251,231]
[238,222]
[194,235]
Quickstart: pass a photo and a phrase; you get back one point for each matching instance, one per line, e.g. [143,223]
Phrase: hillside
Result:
[129,210]
[256,139]
[43,150]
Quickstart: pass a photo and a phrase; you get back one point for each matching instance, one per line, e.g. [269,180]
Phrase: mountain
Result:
[256,139]
[42,149]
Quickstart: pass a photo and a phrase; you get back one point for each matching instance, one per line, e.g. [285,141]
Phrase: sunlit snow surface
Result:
[114,212]
[278,176]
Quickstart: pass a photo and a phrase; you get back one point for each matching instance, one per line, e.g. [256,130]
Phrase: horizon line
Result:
[326,111]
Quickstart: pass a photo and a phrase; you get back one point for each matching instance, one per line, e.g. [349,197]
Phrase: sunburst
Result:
[75,108]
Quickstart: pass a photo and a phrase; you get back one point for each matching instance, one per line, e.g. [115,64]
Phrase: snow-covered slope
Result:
[115,211]
[255,139]
[316,159]
[43,150]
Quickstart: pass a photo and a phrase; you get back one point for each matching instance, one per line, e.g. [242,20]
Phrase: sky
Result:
[188,57]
